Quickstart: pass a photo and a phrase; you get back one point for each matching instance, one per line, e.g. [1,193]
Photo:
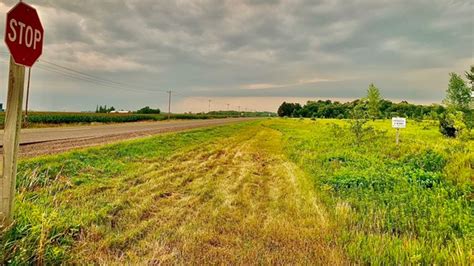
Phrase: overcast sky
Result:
[249,53]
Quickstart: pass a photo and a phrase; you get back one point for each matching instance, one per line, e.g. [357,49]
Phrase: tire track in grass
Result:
[235,200]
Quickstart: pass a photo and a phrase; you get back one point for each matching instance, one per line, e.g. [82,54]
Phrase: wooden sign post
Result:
[11,140]
[24,38]
[397,123]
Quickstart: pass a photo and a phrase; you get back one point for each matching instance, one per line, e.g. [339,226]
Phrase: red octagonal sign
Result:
[24,34]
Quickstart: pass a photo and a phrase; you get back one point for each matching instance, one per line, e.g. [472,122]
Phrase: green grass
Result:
[222,194]
[47,224]
[400,205]
[288,191]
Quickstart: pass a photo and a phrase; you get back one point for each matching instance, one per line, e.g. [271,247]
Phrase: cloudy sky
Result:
[253,54]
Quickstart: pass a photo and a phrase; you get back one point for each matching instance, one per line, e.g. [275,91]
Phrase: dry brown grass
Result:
[233,201]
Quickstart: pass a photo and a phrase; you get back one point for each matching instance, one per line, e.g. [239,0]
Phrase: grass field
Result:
[283,191]
[395,205]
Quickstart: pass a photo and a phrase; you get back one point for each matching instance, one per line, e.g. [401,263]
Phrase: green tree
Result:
[470,77]
[458,94]
[284,109]
[358,123]
[451,124]
[373,101]
[104,109]
[148,110]
[289,109]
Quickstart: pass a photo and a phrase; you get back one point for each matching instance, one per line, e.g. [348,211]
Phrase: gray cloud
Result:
[215,48]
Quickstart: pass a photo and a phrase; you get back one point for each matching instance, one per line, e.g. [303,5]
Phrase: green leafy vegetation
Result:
[452,124]
[51,211]
[76,118]
[103,109]
[458,94]
[36,119]
[394,205]
[276,190]
[455,120]
[148,110]
[388,109]
[458,120]
[289,110]
[223,194]
[373,102]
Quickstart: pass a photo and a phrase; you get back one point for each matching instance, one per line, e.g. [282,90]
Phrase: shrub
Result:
[336,130]
[360,130]
[451,124]
[469,119]
[429,160]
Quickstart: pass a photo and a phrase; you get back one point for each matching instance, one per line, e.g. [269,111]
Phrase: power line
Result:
[75,74]
[100,81]
[82,76]
[103,80]
[81,73]
[211,101]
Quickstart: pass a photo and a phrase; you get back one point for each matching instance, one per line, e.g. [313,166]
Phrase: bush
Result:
[336,130]
[428,160]
[452,124]
[360,131]
[469,118]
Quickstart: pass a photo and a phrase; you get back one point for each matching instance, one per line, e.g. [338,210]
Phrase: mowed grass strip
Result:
[59,196]
[220,195]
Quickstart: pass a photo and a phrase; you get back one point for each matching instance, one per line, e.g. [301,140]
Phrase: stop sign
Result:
[24,34]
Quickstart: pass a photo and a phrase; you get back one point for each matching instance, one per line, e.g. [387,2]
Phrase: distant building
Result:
[120,112]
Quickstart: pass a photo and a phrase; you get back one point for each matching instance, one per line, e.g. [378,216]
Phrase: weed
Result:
[402,205]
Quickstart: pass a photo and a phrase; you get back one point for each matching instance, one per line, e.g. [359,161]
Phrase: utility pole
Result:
[228,114]
[169,104]
[209,110]
[27,96]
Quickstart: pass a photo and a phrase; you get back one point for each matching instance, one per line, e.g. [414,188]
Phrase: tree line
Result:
[384,109]
[103,109]
[455,114]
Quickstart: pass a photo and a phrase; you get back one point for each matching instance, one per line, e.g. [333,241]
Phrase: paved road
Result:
[39,141]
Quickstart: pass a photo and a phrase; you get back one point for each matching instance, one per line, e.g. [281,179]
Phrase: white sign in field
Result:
[399,122]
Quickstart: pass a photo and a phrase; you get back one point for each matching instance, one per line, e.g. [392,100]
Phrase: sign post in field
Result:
[397,123]
[24,38]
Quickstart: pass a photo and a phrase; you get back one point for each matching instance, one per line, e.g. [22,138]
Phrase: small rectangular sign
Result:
[399,122]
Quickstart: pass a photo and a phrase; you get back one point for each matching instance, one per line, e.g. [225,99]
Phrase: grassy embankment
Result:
[224,194]
[280,190]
